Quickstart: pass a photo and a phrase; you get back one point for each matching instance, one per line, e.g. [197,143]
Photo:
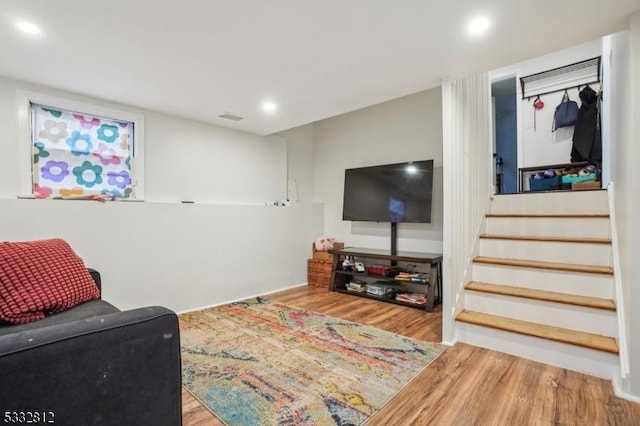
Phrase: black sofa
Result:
[92,365]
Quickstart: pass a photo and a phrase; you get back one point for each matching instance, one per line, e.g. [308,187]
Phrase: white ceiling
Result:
[315,58]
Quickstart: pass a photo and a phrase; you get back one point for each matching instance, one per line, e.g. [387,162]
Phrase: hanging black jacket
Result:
[587,137]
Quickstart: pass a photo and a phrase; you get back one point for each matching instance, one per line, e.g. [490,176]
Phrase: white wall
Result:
[299,158]
[619,101]
[187,160]
[632,150]
[540,146]
[625,155]
[404,129]
[183,256]
[468,184]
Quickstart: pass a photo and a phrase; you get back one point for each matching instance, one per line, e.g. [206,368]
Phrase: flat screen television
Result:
[394,193]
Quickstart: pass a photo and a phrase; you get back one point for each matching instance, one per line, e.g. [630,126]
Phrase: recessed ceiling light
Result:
[28,28]
[269,107]
[478,26]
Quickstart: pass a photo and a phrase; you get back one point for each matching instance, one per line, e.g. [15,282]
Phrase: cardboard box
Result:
[594,184]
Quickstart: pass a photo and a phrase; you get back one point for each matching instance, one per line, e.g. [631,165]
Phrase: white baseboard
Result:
[617,390]
[241,298]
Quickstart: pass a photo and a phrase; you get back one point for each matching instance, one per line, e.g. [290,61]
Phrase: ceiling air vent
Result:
[230,116]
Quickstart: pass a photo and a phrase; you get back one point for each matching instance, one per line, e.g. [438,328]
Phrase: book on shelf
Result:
[357,287]
[413,277]
[414,298]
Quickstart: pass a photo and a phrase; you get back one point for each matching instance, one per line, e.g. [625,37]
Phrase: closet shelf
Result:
[563,78]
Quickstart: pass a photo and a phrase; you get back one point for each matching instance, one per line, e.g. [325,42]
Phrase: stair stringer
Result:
[619,293]
[459,301]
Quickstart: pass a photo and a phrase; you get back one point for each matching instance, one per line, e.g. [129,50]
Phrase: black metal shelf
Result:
[383,298]
[433,261]
[594,63]
[380,278]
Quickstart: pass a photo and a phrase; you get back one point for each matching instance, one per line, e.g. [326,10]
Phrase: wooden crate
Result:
[319,273]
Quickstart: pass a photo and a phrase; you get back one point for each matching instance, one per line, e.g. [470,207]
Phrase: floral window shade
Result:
[78,155]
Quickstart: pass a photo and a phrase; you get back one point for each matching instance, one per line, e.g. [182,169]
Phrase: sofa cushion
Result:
[41,277]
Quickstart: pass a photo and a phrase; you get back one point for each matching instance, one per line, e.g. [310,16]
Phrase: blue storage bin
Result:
[547,184]
[575,179]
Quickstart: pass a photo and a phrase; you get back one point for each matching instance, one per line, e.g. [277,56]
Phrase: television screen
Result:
[389,193]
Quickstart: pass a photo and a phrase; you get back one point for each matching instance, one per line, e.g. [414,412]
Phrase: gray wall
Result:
[404,129]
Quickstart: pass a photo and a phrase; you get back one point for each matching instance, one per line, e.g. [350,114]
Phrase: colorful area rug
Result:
[259,362]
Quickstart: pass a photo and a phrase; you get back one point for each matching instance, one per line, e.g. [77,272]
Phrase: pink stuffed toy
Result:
[323,243]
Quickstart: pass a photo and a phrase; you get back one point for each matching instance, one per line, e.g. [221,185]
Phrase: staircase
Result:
[542,283]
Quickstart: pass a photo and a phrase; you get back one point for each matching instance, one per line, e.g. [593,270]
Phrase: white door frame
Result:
[503,74]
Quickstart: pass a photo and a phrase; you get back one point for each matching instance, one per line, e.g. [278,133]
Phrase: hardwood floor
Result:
[466,385]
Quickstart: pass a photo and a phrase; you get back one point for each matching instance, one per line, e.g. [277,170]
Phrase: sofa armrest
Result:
[118,368]
[95,275]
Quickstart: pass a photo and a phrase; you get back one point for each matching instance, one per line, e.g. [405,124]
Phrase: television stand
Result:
[430,266]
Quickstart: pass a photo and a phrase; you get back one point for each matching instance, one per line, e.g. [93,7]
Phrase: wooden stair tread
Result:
[558,334]
[548,296]
[547,239]
[591,269]
[552,215]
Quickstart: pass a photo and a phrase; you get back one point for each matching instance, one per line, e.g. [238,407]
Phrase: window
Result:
[80,151]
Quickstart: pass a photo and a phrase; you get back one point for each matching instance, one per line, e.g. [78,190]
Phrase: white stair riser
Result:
[594,285]
[589,320]
[543,227]
[588,361]
[579,202]
[575,253]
